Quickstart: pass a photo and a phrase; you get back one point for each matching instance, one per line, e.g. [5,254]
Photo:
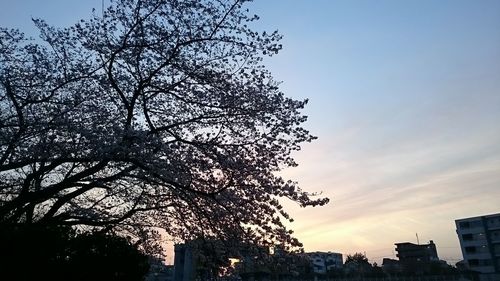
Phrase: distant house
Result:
[418,258]
[480,242]
[323,262]
[409,252]
[206,260]
[212,259]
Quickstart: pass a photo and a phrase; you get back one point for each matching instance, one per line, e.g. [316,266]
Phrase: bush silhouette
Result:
[33,252]
[104,257]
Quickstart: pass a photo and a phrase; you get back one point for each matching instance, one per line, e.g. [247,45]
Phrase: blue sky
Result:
[405,99]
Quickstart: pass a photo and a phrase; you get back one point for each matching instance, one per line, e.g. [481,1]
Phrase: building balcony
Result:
[477,243]
[471,230]
[478,255]
[494,226]
[483,269]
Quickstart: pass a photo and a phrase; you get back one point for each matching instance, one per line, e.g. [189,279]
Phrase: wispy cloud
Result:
[386,195]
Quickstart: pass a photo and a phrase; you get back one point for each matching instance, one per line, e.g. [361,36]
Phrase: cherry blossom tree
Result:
[151,114]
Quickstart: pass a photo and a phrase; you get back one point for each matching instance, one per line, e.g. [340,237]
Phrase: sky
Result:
[404,97]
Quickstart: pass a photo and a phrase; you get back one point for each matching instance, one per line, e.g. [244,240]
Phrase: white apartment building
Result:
[325,261]
[480,242]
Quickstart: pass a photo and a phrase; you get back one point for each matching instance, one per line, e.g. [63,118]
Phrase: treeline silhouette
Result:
[35,252]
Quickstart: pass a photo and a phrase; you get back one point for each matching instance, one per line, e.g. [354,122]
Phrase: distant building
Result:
[325,261]
[418,259]
[480,242]
[184,263]
[391,266]
[213,259]
[409,252]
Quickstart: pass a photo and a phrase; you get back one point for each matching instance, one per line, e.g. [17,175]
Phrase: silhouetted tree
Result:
[357,265]
[106,258]
[153,114]
[37,252]
[441,268]
[30,252]
[358,258]
[376,271]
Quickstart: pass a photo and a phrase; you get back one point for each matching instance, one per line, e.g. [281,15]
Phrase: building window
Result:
[471,224]
[473,262]
[470,250]
[476,223]
[467,237]
[465,224]
[478,262]
[486,262]
[497,249]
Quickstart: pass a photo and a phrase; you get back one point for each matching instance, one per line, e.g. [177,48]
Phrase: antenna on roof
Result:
[418,242]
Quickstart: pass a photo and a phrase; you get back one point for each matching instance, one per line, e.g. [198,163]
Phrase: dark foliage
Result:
[33,252]
[357,258]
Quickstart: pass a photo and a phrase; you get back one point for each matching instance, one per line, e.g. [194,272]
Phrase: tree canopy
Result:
[358,258]
[149,114]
